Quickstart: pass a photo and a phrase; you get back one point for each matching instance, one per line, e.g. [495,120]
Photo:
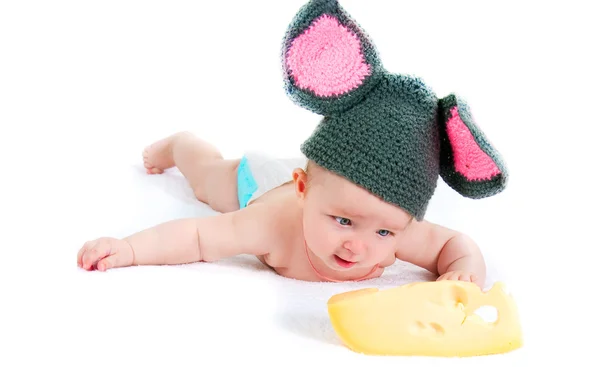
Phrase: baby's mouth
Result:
[343,263]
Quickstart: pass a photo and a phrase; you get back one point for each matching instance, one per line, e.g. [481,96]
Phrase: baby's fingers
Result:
[467,278]
[445,276]
[115,260]
[82,250]
[96,251]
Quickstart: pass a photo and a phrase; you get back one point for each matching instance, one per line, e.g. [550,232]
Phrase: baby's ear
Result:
[329,61]
[468,162]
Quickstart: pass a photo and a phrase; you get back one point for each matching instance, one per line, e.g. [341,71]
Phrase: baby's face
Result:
[346,226]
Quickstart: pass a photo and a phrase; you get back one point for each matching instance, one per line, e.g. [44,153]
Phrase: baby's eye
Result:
[343,221]
[383,232]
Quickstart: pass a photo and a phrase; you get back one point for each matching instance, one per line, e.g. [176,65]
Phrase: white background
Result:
[84,86]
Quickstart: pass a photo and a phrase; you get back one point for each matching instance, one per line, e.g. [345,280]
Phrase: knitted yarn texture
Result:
[388,133]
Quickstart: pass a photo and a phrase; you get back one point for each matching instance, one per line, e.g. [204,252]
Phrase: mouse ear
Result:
[329,61]
[468,162]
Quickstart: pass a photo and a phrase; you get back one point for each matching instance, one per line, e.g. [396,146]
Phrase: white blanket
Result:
[235,310]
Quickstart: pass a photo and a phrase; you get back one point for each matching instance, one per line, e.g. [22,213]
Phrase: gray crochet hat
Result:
[388,133]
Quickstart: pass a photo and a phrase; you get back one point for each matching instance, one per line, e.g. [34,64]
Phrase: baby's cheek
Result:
[329,241]
[382,251]
[316,233]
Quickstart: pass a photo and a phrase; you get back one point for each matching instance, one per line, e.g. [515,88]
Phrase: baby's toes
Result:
[150,167]
[154,170]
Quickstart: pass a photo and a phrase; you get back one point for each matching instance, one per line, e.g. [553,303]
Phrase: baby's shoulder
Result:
[278,222]
[279,214]
[282,206]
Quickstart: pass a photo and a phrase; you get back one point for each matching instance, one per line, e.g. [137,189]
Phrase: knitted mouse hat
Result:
[387,133]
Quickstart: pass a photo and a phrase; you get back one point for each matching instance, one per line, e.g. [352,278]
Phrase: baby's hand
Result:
[105,253]
[459,275]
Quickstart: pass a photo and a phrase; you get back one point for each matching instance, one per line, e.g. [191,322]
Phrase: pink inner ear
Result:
[327,58]
[469,159]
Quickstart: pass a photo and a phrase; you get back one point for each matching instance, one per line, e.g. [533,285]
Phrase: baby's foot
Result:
[159,156]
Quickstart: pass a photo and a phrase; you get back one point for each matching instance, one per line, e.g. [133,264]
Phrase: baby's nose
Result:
[355,246]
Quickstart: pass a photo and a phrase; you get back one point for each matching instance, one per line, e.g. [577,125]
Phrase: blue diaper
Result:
[245,182]
[259,173]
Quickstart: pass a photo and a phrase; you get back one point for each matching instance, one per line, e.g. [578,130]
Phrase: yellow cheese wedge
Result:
[426,319]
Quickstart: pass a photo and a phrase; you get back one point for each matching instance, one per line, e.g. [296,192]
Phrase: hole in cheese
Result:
[487,313]
[419,328]
[437,327]
[457,296]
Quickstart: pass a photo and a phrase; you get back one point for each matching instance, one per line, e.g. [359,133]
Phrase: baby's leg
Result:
[212,178]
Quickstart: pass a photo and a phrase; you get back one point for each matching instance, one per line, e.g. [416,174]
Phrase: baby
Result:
[356,201]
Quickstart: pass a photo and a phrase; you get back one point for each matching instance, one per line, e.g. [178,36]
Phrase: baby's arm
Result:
[182,241]
[445,252]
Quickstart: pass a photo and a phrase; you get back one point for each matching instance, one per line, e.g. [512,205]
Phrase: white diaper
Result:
[259,173]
